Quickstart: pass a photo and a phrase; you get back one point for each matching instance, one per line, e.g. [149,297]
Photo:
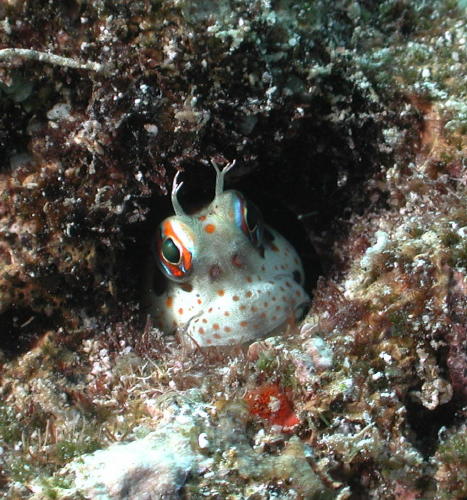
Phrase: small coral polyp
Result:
[230,277]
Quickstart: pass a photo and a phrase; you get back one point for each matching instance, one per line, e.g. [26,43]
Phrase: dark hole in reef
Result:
[358,478]
[324,205]
[307,188]
[426,424]
[21,329]
[138,257]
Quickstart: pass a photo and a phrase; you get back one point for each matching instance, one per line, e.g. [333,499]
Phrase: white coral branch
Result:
[35,55]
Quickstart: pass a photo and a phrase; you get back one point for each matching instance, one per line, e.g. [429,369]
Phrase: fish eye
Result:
[248,218]
[170,251]
[252,217]
[252,224]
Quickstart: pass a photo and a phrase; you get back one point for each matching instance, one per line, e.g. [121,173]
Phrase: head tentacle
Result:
[220,175]
[175,189]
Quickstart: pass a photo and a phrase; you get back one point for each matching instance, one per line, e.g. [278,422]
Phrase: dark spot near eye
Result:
[214,272]
[237,261]
[187,287]
[297,276]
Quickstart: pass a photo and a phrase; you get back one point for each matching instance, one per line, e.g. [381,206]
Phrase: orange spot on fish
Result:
[210,228]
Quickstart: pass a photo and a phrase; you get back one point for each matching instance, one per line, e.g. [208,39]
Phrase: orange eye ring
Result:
[175,248]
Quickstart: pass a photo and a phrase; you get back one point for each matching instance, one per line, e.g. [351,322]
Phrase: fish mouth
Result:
[250,314]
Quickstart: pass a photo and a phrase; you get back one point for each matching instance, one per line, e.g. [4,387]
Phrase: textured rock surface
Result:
[349,115]
[152,467]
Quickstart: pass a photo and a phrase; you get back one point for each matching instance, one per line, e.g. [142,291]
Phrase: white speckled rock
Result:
[150,468]
[147,469]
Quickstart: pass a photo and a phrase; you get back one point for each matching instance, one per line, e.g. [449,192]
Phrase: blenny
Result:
[231,278]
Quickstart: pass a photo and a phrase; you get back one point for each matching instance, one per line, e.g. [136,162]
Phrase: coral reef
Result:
[187,440]
[348,123]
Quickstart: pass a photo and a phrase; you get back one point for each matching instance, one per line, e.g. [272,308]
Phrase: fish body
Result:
[231,278]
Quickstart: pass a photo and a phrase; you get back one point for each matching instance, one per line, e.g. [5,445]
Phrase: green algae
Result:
[451,458]
[67,450]
[10,428]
